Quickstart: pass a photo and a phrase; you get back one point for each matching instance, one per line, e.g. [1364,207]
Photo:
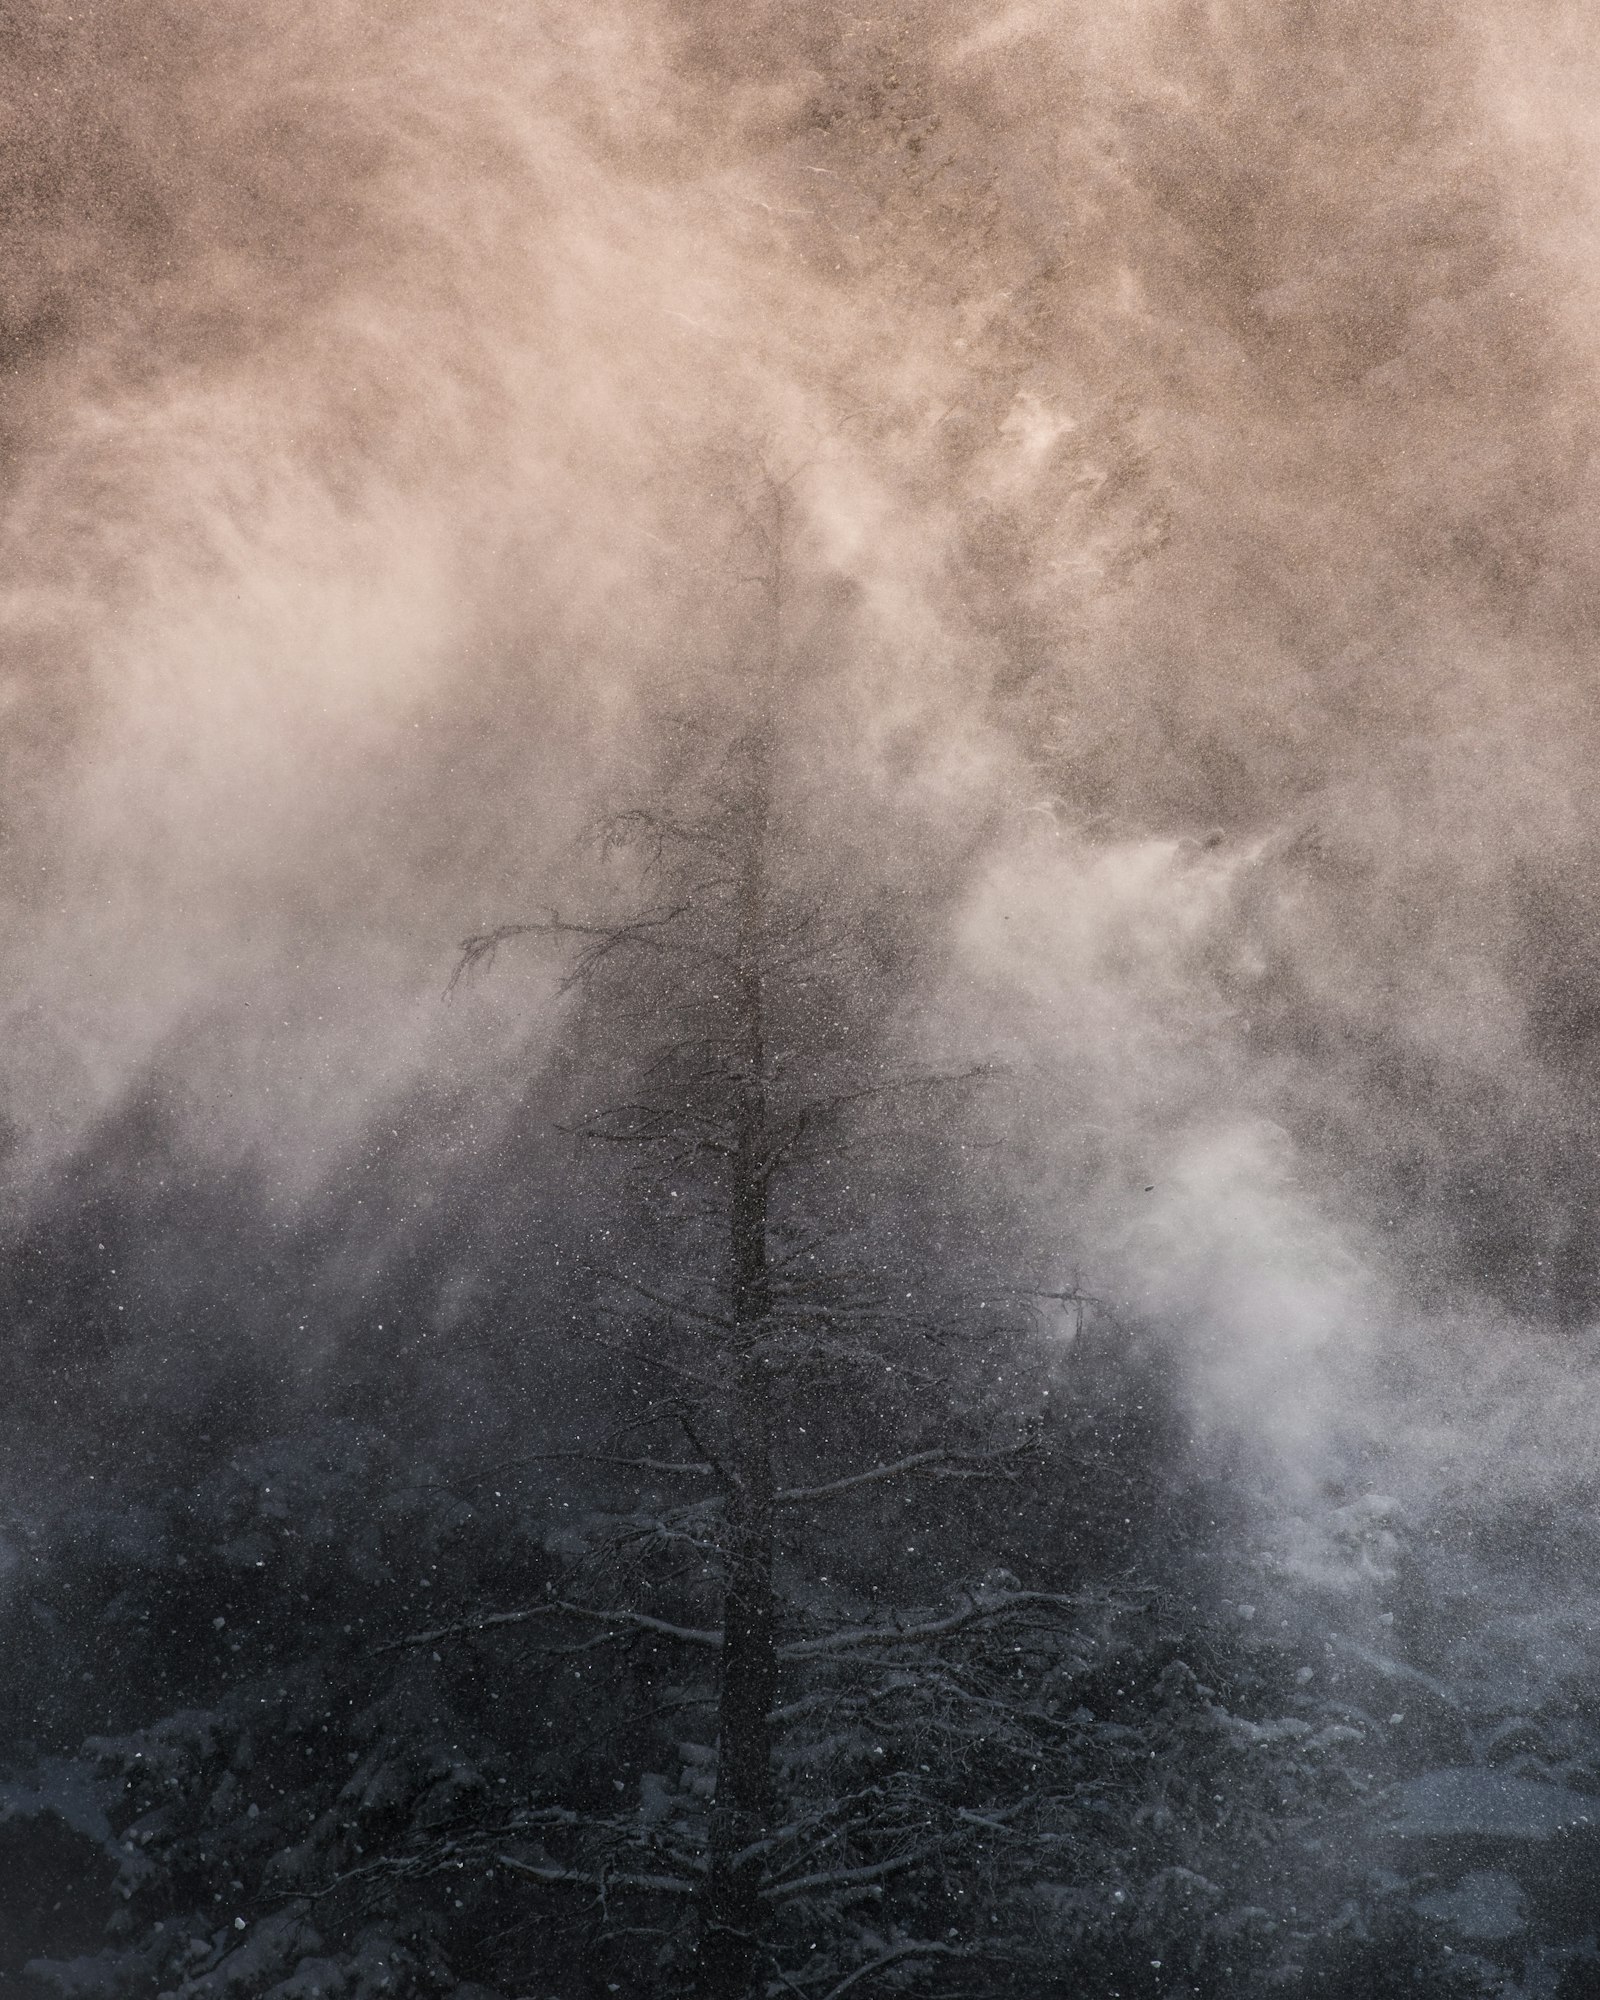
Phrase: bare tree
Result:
[743,1018]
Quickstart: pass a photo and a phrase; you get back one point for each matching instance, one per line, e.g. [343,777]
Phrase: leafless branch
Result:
[979,1611]
[958,1464]
[645,1359]
[559,1607]
[482,946]
[843,1878]
[669,1304]
[895,1955]
[578,1878]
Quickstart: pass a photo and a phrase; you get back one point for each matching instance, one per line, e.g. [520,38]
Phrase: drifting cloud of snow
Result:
[1185,395]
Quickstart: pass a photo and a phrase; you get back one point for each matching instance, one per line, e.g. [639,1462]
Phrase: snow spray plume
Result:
[1185,400]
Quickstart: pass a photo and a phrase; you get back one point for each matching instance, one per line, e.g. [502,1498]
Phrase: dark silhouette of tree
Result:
[772,1711]
[746,1016]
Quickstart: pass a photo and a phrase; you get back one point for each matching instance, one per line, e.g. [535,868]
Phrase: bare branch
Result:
[957,1464]
[917,1948]
[559,1607]
[669,1304]
[693,1433]
[577,1878]
[844,1878]
[481,948]
[645,1359]
[980,1611]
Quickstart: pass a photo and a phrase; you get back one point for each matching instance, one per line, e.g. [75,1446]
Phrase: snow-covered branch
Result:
[560,1607]
[895,1955]
[843,1878]
[981,1611]
[957,1464]
[578,1878]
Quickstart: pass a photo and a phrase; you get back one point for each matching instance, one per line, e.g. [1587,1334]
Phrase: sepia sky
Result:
[1191,417]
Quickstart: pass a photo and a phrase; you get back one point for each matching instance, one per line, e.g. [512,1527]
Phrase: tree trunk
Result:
[741,1810]
[749,1684]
